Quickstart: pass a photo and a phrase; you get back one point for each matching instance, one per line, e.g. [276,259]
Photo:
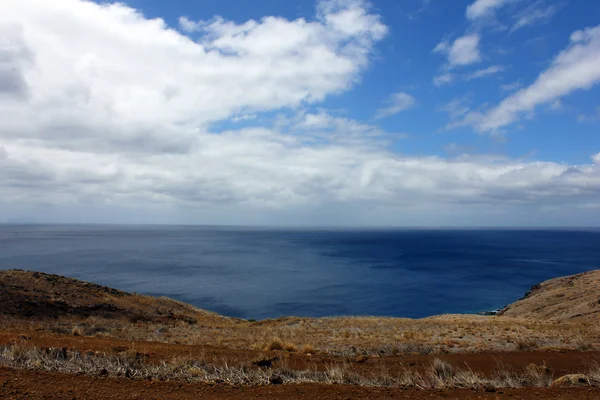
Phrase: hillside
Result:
[36,295]
[569,298]
[80,335]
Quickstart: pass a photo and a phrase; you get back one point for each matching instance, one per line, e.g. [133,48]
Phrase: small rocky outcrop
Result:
[572,380]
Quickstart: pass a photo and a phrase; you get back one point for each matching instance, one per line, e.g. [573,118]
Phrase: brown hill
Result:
[59,304]
[36,295]
[569,298]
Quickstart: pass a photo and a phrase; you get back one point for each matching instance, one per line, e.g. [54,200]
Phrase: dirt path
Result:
[20,384]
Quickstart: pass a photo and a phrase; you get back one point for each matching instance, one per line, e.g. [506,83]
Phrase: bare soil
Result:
[19,384]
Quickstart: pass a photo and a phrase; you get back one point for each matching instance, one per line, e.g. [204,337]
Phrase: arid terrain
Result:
[64,338]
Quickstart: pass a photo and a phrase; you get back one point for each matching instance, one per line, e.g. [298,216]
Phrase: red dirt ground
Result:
[561,363]
[19,384]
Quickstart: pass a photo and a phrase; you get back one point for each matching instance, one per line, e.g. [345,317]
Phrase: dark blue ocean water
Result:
[264,273]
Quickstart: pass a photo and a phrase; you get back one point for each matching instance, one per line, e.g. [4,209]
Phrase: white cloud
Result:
[457,107]
[537,12]
[323,127]
[443,79]
[264,169]
[509,87]
[589,118]
[458,110]
[103,76]
[463,51]
[596,158]
[575,68]
[491,70]
[397,102]
[187,25]
[244,117]
[485,8]
[556,105]
[447,78]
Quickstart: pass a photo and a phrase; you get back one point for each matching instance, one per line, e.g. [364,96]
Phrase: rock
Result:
[571,380]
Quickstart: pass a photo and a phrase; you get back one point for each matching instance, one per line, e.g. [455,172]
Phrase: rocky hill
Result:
[569,298]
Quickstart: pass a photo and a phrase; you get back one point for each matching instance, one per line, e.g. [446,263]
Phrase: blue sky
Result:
[322,112]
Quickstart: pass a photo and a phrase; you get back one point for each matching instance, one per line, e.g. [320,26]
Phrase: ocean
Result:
[266,273]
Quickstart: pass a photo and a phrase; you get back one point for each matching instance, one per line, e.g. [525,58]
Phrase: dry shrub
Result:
[581,344]
[526,344]
[308,349]
[442,370]
[275,344]
[77,331]
[290,347]
[538,375]
[594,373]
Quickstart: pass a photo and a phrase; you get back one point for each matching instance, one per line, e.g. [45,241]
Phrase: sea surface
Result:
[266,273]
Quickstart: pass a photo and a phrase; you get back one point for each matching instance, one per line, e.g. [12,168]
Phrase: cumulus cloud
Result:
[103,76]
[114,111]
[397,102]
[187,25]
[463,51]
[575,68]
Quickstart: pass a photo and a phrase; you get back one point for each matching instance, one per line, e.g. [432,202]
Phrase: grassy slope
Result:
[66,305]
[569,298]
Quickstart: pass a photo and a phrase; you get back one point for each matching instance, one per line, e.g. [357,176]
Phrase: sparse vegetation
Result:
[136,317]
[133,365]
[199,346]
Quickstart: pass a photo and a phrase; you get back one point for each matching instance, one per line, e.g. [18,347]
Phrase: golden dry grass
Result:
[569,298]
[146,318]
[344,336]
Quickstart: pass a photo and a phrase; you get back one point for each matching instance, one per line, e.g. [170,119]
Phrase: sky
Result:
[301,113]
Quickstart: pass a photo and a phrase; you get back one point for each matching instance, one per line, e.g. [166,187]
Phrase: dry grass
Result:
[134,366]
[344,336]
[145,318]
[594,374]
[308,349]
